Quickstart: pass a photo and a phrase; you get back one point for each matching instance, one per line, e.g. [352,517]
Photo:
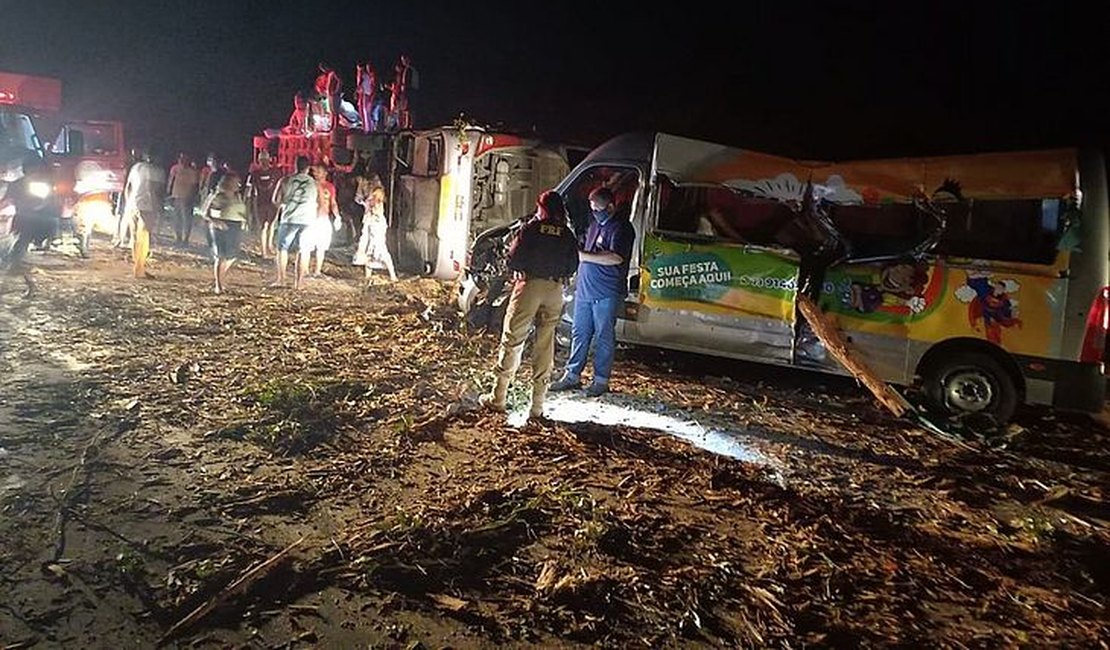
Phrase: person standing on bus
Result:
[367,88]
[542,258]
[405,80]
[328,86]
[600,290]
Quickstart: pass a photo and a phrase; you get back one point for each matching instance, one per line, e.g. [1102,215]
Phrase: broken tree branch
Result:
[838,347]
[240,585]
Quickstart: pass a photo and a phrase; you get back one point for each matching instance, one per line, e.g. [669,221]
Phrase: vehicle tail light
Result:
[1098,322]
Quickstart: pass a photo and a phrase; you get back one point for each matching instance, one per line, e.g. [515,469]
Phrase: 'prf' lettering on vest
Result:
[549,229]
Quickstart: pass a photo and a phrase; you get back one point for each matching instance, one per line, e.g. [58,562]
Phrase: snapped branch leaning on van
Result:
[600,289]
[296,196]
[542,258]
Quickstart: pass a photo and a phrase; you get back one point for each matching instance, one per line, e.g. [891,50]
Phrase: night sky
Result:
[829,80]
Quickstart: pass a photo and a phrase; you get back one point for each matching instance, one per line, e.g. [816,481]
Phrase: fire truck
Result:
[87,158]
[444,185]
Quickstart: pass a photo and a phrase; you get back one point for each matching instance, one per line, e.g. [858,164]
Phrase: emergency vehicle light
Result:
[36,93]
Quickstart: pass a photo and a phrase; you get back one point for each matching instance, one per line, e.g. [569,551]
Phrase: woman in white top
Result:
[372,250]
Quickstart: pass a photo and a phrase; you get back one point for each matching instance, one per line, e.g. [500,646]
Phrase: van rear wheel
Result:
[971,383]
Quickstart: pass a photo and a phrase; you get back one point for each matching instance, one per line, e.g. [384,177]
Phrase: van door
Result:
[714,278]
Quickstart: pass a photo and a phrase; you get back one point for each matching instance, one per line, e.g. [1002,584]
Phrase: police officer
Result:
[542,257]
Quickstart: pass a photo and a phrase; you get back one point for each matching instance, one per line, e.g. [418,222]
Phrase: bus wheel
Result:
[971,383]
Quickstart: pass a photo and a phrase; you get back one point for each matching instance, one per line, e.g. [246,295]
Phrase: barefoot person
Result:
[372,249]
[145,185]
[261,182]
[226,215]
[317,237]
[296,197]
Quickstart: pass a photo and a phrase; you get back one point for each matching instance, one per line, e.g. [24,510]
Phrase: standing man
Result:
[145,185]
[205,183]
[328,86]
[297,198]
[542,257]
[367,87]
[600,290]
[405,80]
[226,215]
[182,188]
[317,237]
[261,183]
[122,236]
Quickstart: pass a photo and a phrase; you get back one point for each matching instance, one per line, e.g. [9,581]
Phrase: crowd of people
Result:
[296,213]
[379,106]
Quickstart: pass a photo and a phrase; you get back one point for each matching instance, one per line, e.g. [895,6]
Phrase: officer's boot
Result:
[538,393]
[495,400]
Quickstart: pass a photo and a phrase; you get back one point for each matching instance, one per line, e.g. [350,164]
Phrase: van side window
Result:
[623,181]
[883,229]
[1005,230]
[723,214]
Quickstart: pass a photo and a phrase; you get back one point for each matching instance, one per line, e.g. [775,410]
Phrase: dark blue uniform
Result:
[544,249]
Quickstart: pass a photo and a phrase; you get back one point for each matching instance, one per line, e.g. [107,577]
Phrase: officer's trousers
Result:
[532,301]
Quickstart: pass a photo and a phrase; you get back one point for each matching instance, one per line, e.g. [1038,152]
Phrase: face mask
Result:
[601,215]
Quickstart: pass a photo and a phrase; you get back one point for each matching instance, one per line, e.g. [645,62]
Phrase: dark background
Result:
[830,80]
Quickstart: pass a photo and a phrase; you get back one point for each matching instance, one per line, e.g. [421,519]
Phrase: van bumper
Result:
[1080,387]
[1075,386]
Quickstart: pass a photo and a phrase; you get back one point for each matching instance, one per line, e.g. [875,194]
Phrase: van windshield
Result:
[623,181]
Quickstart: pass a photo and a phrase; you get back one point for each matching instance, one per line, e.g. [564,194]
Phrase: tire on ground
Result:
[966,382]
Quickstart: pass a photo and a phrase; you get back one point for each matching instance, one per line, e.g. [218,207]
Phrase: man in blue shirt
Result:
[600,290]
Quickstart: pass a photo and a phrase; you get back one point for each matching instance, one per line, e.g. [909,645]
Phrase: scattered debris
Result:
[350,418]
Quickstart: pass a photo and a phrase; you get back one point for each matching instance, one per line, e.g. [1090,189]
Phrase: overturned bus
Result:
[443,185]
[452,184]
[981,277]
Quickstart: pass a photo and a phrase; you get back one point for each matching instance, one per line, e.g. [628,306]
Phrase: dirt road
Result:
[270,469]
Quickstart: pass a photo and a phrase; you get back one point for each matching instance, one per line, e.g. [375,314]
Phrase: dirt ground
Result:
[267,469]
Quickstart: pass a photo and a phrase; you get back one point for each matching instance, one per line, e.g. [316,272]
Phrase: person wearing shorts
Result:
[317,237]
[261,182]
[297,198]
[226,215]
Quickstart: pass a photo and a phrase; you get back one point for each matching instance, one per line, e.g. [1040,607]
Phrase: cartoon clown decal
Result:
[990,304]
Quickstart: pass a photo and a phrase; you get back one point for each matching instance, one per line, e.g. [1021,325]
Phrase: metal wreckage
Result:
[981,278]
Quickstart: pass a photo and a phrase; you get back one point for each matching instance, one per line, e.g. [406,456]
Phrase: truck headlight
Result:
[38,189]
